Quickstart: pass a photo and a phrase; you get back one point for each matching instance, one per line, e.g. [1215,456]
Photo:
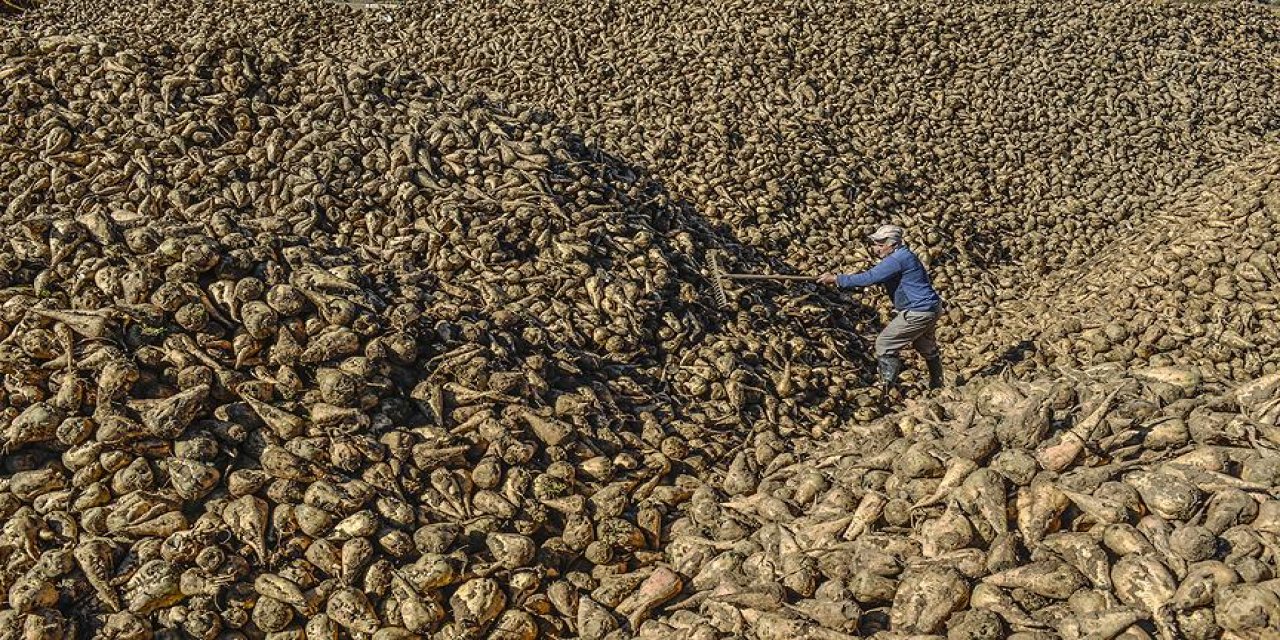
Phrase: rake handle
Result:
[760,276]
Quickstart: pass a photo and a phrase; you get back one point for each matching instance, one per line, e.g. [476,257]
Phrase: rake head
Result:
[717,279]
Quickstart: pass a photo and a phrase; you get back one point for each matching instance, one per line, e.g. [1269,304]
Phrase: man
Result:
[916,305]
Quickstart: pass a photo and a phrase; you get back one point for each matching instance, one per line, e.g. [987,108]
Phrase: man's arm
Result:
[886,269]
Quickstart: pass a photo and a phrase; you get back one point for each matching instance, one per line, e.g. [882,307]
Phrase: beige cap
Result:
[887,232]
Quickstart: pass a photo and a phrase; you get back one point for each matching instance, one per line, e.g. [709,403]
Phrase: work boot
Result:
[890,367]
[935,371]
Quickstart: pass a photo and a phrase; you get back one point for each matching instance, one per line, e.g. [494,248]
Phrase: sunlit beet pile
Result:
[1195,286]
[305,352]
[1010,138]
[319,322]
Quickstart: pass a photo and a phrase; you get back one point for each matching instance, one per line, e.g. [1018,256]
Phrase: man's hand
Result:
[827,278]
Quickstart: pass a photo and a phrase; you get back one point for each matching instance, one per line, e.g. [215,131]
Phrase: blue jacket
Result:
[904,279]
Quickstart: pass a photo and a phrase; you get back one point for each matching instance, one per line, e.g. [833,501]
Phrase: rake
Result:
[719,277]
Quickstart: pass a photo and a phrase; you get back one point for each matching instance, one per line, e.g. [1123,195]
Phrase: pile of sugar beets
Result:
[300,350]
[1109,503]
[1013,139]
[297,348]
[1196,285]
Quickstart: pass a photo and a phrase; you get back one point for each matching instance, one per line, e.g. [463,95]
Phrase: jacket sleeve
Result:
[886,269]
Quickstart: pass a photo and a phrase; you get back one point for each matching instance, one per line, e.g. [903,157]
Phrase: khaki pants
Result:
[913,328]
